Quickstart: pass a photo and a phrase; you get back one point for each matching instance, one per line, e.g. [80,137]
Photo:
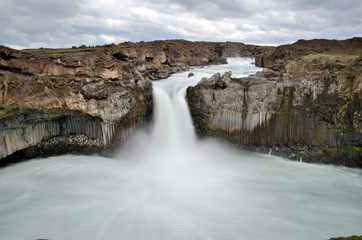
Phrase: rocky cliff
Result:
[85,99]
[88,99]
[306,105]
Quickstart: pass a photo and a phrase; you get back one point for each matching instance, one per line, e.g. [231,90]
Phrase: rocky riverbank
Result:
[305,105]
[89,99]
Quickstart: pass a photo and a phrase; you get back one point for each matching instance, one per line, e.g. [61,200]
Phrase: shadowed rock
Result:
[306,107]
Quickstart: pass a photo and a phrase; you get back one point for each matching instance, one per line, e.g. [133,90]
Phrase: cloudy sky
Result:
[66,23]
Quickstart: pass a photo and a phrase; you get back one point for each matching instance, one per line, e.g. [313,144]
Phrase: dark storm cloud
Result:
[54,23]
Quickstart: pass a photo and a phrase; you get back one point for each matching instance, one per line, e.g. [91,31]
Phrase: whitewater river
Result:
[166,184]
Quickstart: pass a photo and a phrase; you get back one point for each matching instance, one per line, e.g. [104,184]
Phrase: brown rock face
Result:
[307,106]
[87,91]
[276,58]
[93,95]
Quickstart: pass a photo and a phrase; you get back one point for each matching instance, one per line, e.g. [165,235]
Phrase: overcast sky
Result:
[66,23]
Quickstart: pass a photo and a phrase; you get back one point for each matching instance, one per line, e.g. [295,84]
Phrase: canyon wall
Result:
[304,106]
[88,99]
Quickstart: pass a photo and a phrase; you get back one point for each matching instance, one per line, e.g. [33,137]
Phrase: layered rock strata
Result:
[305,106]
[88,99]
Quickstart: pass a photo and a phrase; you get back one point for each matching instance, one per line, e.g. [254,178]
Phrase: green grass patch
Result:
[324,58]
[333,130]
[358,148]
[320,61]
[60,51]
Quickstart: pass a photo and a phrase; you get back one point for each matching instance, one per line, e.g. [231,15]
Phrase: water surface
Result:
[167,184]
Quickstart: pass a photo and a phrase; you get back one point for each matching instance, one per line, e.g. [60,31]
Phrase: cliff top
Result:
[321,50]
[301,47]
[158,44]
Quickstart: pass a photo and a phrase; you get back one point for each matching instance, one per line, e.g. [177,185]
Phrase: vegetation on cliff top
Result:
[61,51]
[348,238]
[326,57]
[321,61]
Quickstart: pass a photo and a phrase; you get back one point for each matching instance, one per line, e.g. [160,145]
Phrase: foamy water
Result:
[167,184]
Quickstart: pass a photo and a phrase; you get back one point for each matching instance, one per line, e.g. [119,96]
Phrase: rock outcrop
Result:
[86,99]
[237,49]
[47,96]
[305,105]
[276,58]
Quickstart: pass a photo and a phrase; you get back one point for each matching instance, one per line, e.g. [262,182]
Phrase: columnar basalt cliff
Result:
[85,99]
[62,96]
[88,99]
[305,105]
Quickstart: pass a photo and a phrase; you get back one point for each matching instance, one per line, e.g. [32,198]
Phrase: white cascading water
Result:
[166,184]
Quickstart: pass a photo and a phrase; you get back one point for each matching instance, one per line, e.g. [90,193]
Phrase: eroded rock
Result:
[303,108]
[108,87]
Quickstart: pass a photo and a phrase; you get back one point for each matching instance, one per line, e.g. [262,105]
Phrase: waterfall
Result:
[173,129]
[166,184]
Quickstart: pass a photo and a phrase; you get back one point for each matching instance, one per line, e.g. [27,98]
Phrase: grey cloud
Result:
[51,23]
[32,23]
[324,4]
[211,9]
[40,8]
